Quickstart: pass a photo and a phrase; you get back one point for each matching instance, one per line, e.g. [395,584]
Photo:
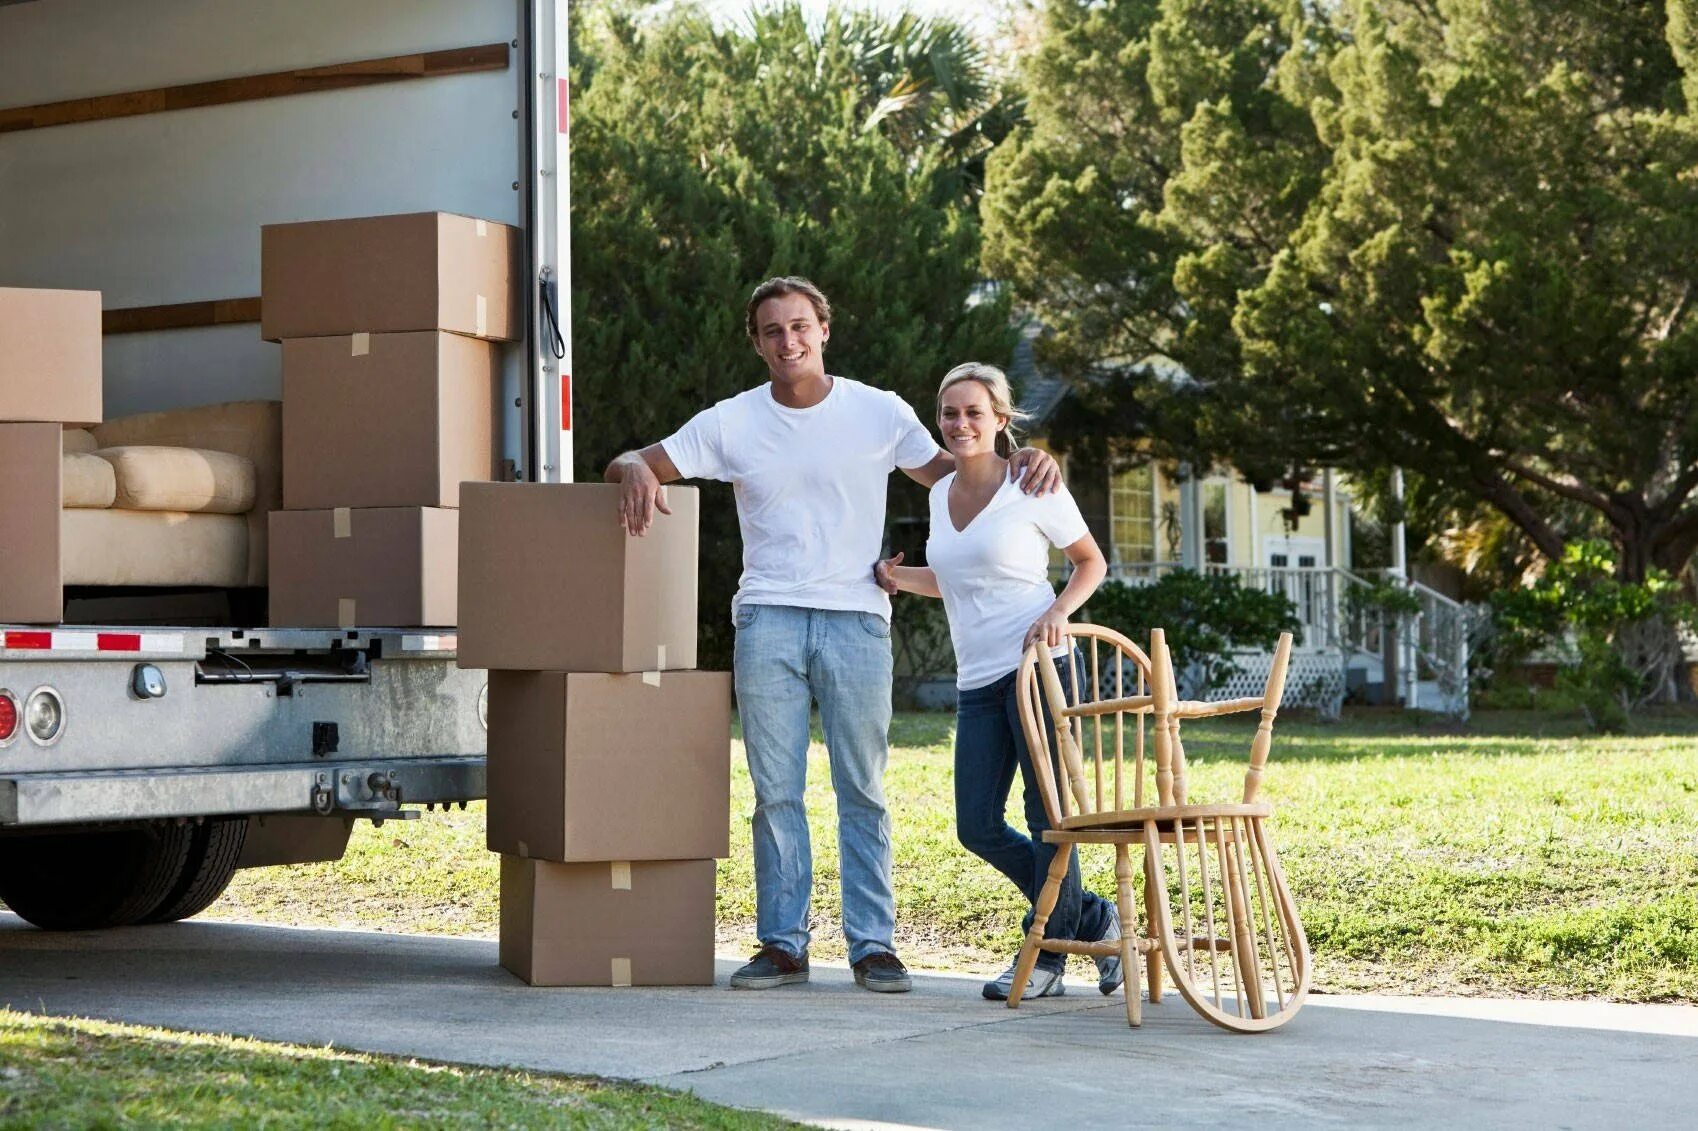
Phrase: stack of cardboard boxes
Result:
[609,757]
[390,386]
[50,377]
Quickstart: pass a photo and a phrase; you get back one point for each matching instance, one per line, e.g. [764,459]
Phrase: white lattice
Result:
[1313,679]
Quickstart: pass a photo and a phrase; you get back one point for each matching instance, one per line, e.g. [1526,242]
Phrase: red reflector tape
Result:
[29,640]
[565,402]
[564,108]
[119,642]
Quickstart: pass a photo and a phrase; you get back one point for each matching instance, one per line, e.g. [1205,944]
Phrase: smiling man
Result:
[808,455]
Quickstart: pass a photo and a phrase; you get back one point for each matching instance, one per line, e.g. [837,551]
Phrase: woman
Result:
[989,560]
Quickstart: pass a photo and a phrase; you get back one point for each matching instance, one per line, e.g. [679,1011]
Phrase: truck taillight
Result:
[8,717]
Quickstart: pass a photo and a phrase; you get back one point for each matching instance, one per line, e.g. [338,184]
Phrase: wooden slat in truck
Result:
[158,730]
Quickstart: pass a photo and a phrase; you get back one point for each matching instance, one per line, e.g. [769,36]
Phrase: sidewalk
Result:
[833,1053]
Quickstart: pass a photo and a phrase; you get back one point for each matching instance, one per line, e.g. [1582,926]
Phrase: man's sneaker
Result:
[771,966]
[1109,973]
[883,973]
[1042,983]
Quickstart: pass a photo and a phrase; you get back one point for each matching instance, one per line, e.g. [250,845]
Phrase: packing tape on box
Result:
[621,971]
[345,612]
[524,851]
[653,678]
[483,316]
[359,345]
[621,875]
[482,228]
[342,522]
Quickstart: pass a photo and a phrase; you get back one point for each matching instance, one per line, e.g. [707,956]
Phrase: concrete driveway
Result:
[832,1053]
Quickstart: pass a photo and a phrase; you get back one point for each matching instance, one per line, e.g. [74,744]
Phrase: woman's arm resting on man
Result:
[1089,569]
[894,577]
[640,475]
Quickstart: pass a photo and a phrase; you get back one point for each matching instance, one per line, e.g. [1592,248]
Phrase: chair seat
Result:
[1165,815]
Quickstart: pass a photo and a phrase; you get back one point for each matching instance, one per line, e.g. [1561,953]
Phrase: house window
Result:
[1215,545]
[1132,515]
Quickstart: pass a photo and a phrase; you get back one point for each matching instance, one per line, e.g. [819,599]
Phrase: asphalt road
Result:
[833,1053]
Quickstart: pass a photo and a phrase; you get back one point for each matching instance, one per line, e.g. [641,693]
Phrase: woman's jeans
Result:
[989,744]
[786,658]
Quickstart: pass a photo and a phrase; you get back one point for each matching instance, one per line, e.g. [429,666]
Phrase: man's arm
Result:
[640,475]
[928,473]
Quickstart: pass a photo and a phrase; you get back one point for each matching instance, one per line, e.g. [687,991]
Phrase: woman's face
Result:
[966,420]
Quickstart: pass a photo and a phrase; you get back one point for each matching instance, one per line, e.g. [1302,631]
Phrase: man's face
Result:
[790,338]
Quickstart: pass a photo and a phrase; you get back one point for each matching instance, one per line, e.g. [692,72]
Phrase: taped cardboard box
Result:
[390,567]
[587,766]
[50,356]
[389,274]
[625,923]
[30,556]
[550,581]
[386,420]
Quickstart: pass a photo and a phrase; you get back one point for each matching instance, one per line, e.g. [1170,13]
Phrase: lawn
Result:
[1517,855]
[58,1073]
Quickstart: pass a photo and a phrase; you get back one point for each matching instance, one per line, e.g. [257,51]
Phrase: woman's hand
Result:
[885,573]
[1049,628]
[1035,470]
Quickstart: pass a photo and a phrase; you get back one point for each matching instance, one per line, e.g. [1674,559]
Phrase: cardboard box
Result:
[550,581]
[587,766]
[386,420]
[389,274]
[390,567]
[639,923]
[30,575]
[50,356]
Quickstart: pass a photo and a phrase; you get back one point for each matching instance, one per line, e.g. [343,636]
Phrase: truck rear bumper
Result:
[373,788]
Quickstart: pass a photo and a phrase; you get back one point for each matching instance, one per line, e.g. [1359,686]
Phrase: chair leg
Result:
[1153,960]
[1040,920]
[1128,935]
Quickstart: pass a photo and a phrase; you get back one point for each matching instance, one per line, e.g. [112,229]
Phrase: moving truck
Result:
[153,741]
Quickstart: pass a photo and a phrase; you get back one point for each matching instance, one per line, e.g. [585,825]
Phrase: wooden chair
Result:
[1212,883]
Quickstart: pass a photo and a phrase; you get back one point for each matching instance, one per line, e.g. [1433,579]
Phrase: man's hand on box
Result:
[640,495]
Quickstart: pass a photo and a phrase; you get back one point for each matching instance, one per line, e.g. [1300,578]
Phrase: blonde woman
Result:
[988,558]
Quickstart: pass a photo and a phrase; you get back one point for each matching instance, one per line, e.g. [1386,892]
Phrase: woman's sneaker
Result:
[1109,973]
[1042,983]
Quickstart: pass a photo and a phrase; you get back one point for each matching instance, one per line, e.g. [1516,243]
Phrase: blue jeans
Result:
[785,658]
[988,745]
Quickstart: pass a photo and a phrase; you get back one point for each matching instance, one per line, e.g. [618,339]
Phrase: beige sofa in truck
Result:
[175,498]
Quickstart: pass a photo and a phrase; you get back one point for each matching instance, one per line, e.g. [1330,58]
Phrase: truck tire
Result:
[86,881]
[211,862]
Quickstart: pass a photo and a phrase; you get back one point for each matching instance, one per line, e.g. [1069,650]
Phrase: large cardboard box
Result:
[636,923]
[587,766]
[50,356]
[390,567]
[389,274]
[29,524]
[550,581]
[386,420]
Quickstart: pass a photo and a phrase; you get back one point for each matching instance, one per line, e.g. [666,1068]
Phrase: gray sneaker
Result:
[771,966]
[1042,983]
[1109,973]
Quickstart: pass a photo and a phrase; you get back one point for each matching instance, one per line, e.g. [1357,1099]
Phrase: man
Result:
[809,455]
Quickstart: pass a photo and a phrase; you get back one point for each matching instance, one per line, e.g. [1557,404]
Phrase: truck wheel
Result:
[211,862]
[83,881]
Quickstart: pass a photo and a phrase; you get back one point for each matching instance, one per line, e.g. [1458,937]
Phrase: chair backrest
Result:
[1098,697]
[1169,710]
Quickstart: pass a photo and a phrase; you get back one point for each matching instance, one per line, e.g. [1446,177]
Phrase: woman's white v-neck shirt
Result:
[994,575]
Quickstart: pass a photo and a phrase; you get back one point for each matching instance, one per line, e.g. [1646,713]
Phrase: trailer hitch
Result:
[376,796]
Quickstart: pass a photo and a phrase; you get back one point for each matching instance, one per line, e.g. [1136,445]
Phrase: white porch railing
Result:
[1344,627]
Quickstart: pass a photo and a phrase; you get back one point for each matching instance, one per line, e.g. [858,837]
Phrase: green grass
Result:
[1518,855]
[91,1074]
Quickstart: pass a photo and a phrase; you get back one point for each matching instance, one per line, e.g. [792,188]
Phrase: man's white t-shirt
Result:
[810,487]
[994,575]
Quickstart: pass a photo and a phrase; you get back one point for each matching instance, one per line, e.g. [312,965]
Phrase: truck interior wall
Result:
[166,208]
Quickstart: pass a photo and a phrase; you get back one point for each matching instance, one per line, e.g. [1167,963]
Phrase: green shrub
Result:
[1207,617]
